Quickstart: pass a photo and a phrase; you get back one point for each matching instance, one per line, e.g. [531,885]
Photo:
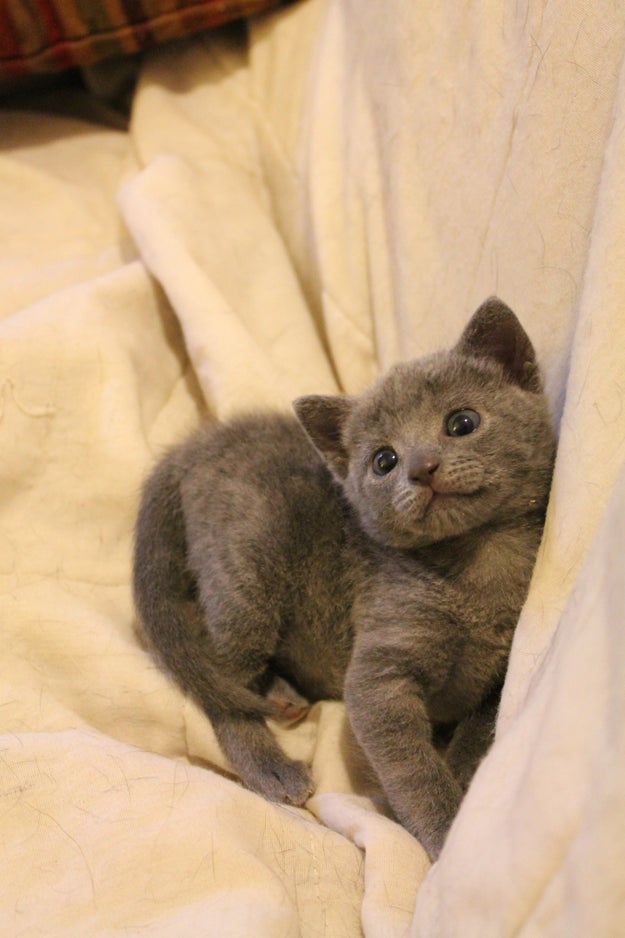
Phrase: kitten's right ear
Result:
[323,418]
[495,332]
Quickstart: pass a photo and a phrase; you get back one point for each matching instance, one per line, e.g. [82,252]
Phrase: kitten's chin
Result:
[404,540]
[423,522]
[405,537]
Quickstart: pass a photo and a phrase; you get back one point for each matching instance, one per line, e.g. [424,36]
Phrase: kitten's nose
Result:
[423,462]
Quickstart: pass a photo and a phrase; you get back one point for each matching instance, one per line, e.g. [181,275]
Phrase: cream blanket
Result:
[293,209]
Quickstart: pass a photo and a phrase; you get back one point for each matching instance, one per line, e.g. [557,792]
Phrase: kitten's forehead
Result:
[425,386]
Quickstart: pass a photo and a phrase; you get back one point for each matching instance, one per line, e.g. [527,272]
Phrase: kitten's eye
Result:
[461,422]
[384,461]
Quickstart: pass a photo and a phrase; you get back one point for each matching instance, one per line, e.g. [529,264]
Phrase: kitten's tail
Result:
[170,616]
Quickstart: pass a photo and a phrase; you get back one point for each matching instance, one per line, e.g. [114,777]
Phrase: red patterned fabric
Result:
[49,35]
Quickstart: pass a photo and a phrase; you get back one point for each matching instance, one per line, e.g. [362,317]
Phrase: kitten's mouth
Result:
[468,483]
[439,488]
[431,499]
[414,504]
[435,497]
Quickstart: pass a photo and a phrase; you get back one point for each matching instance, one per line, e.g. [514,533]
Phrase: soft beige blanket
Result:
[294,208]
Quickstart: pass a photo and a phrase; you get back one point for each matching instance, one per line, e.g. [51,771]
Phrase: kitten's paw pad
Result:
[289,705]
[290,712]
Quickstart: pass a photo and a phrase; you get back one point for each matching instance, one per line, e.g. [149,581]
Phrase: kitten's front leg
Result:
[472,739]
[386,707]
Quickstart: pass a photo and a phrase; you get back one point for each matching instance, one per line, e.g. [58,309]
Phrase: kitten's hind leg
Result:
[259,760]
[290,704]
[242,630]
[244,737]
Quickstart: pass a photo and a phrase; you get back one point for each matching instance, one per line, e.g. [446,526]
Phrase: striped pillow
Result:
[49,35]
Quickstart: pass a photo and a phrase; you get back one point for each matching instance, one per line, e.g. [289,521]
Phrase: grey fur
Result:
[260,556]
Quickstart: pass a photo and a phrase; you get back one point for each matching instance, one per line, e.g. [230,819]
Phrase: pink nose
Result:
[422,464]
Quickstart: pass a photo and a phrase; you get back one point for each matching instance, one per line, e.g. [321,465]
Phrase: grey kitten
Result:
[378,548]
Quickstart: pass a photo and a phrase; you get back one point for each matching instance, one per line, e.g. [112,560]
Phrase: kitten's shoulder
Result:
[263,437]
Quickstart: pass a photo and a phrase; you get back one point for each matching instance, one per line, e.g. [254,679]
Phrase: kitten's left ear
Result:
[495,332]
[323,418]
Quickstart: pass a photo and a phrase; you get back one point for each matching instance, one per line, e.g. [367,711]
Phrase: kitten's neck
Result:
[509,535]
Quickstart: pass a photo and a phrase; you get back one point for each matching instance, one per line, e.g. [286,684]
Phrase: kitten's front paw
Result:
[431,822]
[433,840]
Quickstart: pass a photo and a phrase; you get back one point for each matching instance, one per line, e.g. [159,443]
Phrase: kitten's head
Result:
[443,444]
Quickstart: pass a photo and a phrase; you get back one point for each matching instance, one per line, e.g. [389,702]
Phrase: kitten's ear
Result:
[495,332]
[323,418]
